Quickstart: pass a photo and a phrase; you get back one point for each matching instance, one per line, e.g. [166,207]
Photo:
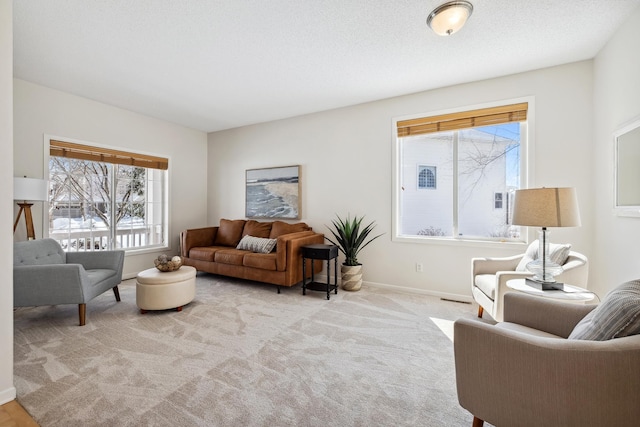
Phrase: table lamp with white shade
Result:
[27,190]
[546,207]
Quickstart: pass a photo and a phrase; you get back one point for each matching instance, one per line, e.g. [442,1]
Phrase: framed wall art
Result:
[273,192]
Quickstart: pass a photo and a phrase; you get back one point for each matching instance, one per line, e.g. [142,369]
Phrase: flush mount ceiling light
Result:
[449,17]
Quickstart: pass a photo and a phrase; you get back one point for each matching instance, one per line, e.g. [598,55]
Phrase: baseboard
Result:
[445,295]
[323,278]
[7,395]
[127,276]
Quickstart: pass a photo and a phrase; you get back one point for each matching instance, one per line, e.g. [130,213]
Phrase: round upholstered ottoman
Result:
[157,290]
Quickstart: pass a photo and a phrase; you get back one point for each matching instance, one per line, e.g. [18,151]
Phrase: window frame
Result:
[526,179]
[166,208]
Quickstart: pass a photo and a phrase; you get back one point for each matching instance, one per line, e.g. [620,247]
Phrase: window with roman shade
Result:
[103,198]
[478,154]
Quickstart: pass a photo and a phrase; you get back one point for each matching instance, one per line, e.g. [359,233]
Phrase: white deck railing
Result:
[98,240]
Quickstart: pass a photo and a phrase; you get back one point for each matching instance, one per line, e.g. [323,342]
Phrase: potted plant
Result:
[350,238]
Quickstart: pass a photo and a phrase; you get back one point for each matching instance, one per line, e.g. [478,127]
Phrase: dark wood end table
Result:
[323,252]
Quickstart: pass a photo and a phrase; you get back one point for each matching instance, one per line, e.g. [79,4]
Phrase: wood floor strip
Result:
[12,414]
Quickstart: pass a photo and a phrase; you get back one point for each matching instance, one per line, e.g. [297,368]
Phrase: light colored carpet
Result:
[242,355]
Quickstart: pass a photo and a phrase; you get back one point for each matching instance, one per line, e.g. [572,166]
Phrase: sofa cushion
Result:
[203,253]
[261,261]
[257,244]
[617,316]
[229,232]
[229,256]
[280,227]
[257,229]
[557,252]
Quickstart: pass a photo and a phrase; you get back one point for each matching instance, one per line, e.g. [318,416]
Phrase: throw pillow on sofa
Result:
[229,232]
[617,316]
[257,244]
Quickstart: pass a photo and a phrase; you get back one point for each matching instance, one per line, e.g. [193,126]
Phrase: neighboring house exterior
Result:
[485,178]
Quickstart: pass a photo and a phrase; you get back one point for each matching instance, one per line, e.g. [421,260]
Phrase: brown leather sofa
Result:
[214,250]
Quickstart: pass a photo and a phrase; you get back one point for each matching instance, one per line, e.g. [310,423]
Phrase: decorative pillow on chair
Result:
[557,252]
[617,316]
[257,244]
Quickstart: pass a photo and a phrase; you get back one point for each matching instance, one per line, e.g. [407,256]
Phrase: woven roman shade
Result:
[106,155]
[464,120]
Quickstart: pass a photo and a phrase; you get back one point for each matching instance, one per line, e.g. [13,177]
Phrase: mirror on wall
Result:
[627,169]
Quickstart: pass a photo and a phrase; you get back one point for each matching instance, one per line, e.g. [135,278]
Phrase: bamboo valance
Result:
[106,155]
[464,120]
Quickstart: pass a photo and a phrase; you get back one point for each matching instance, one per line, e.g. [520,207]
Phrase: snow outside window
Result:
[97,206]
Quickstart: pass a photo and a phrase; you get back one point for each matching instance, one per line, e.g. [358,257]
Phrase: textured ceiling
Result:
[219,64]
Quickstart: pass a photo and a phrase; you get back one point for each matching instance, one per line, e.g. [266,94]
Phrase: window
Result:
[477,155]
[426,177]
[104,199]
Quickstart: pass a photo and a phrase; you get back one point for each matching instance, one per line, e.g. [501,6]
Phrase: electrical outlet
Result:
[419,267]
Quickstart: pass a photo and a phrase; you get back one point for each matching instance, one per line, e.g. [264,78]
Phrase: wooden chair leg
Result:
[116,292]
[477,422]
[143,311]
[179,308]
[82,313]
[480,311]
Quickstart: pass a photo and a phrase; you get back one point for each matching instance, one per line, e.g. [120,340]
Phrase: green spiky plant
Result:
[351,237]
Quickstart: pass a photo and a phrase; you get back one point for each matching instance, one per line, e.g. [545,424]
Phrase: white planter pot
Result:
[351,277]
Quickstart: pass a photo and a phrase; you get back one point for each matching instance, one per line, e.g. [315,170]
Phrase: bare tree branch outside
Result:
[83,193]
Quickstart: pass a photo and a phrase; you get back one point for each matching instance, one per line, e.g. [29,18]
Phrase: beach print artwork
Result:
[273,192]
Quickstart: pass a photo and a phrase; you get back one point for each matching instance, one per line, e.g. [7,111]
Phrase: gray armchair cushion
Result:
[551,316]
[617,316]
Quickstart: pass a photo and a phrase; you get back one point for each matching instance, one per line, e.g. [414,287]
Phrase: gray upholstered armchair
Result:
[43,274]
[525,372]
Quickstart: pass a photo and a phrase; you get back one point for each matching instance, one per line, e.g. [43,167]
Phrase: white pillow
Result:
[257,244]
[557,252]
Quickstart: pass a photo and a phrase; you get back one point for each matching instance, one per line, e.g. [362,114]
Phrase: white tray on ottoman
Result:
[157,290]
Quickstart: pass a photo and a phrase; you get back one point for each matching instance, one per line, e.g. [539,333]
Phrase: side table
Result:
[323,252]
[570,294]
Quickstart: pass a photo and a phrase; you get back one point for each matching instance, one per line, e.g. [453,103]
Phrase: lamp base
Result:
[26,208]
[544,272]
[544,286]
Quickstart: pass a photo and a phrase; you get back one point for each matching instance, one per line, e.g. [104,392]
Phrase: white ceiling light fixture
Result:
[449,17]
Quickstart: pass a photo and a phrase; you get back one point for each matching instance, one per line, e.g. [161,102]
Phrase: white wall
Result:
[346,164]
[39,110]
[346,167]
[616,102]
[7,391]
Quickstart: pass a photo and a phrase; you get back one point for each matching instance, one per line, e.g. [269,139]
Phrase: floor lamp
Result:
[27,190]
[546,207]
